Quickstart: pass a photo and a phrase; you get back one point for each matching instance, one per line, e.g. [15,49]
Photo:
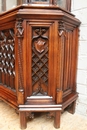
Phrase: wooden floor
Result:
[9,120]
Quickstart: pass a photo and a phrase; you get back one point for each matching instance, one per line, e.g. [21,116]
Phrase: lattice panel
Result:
[40,60]
[7,58]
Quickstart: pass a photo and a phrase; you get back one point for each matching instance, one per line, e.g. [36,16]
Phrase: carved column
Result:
[20,35]
[60,60]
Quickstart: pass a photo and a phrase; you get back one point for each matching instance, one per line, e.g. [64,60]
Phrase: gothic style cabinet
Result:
[38,60]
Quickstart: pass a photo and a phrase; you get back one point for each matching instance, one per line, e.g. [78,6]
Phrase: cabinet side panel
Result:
[67,61]
[70,60]
[7,58]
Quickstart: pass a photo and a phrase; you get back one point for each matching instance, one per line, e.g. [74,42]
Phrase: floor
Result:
[9,120]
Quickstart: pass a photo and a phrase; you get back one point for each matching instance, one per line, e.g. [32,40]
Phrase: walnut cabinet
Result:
[38,60]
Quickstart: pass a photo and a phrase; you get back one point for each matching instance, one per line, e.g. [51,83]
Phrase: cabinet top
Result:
[49,12]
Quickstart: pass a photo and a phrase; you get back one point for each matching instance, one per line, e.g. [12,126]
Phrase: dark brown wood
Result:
[71,108]
[19,2]
[38,60]
[57,119]
[23,120]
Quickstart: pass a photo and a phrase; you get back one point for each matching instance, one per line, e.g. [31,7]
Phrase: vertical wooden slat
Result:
[65,63]
[3,78]
[75,58]
[11,82]
[29,46]
[0,77]
[51,60]
[61,42]
[7,80]
[70,59]
[55,56]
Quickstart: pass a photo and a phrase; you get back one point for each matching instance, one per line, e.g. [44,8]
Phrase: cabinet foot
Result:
[57,119]
[71,108]
[23,123]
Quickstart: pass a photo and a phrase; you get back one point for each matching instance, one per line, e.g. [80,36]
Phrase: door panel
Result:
[40,64]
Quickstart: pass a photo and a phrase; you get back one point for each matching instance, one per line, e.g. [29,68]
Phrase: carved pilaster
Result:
[60,60]
[20,35]
[59,94]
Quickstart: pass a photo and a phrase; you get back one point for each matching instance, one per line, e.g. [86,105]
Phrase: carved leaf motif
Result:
[20,32]
[20,29]
[61,28]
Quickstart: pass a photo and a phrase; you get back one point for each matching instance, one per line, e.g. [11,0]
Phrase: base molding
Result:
[68,101]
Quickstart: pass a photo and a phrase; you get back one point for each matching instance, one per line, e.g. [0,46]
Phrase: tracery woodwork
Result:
[40,60]
[7,58]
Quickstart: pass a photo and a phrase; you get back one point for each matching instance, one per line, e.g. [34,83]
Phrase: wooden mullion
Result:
[68,5]
[19,2]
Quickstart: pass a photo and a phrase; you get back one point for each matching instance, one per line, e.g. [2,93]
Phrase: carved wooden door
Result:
[40,59]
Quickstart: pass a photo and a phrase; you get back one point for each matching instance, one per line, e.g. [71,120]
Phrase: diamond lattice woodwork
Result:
[40,60]
[7,58]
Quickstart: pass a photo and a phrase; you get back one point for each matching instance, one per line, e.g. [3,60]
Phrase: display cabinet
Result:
[38,60]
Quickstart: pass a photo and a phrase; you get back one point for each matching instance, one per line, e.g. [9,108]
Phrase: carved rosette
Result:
[20,35]
[40,60]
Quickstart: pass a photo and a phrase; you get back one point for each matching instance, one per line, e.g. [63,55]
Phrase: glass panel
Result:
[61,3]
[9,4]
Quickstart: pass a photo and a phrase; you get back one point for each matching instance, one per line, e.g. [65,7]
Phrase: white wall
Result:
[79,8]
[10,4]
[0,6]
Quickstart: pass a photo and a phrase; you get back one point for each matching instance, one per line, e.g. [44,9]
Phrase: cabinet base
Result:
[56,109]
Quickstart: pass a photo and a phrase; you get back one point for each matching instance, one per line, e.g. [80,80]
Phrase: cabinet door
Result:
[40,58]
